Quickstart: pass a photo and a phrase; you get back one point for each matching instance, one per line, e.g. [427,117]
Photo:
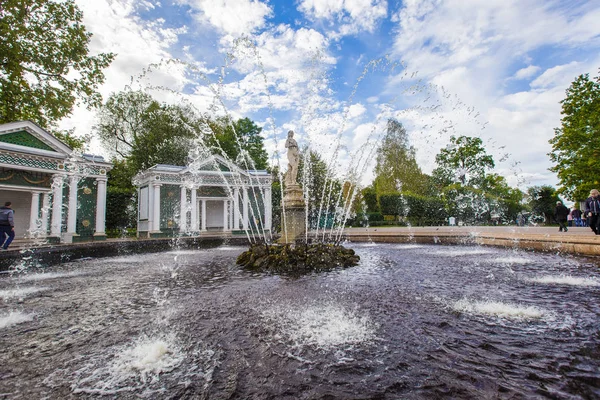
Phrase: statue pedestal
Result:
[294,218]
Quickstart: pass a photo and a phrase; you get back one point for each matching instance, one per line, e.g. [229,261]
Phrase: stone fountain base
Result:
[297,260]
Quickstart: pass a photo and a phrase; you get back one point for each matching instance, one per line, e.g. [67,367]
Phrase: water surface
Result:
[413,321]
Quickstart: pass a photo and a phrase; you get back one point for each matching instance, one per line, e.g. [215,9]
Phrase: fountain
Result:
[407,321]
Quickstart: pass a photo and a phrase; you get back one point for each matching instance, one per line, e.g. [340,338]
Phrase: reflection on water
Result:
[411,321]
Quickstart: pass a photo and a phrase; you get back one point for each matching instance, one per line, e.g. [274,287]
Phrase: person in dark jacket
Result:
[560,215]
[576,214]
[7,225]
[592,211]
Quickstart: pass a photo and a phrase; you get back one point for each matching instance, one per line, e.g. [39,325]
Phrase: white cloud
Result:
[234,17]
[559,75]
[347,17]
[468,49]
[527,72]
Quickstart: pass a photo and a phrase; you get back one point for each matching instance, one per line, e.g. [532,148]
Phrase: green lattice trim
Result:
[26,139]
[26,162]
[211,191]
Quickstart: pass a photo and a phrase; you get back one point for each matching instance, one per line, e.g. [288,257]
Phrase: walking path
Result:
[580,241]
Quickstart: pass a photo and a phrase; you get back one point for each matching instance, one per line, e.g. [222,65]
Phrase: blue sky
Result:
[496,69]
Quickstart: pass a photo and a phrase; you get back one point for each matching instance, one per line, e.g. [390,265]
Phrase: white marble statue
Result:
[293,156]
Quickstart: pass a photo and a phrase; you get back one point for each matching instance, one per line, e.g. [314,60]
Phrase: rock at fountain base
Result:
[297,260]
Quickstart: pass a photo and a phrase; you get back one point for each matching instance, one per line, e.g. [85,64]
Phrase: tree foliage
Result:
[542,201]
[240,141]
[44,61]
[134,126]
[397,167]
[464,161]
[576,143]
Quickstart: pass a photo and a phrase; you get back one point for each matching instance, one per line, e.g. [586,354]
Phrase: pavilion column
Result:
[183,210]
[57,203]
[45,213]
[72,212]
[245,209]
[100,207]
[225,214]
[268,208]
[203,214]
[156,211]
[236,209]
[34,214]
[194,213]
[150,208]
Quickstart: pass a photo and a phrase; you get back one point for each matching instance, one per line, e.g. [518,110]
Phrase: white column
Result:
[57,202]
[268,208]
[156,211]
[100,206]
[225,214]
[150,207]
[45,213]
[72,213]
[236,209]
[34,214]
[194,213]
[231,215]
[183,210]
[203,214]
[245,209]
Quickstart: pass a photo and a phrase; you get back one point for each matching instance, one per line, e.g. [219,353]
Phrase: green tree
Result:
[237,138]
[44,61]
[135,127]
[576,144]
[67,137]
[542,200]
[464,160]
[324,191]
[397,168]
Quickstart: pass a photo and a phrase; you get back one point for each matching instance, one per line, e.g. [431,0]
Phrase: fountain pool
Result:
[410,321]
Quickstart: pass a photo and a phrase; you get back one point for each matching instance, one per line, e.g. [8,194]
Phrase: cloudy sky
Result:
[336,70]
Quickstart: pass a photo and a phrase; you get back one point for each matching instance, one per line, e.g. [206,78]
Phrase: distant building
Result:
[56,193]
[216,195]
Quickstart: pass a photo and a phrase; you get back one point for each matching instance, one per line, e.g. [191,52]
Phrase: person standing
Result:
[560,215]
[7,225]
[592,211]
[576,214]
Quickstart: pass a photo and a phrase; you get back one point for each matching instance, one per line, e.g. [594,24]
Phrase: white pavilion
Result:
[56,194]
[216,196]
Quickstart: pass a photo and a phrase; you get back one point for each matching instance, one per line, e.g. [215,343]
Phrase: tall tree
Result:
[44,62]
[134,126]
[238,138]
[464,161]
[542,200]
[397,168]
[576,144]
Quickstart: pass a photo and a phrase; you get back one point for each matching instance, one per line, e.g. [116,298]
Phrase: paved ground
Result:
[576,240]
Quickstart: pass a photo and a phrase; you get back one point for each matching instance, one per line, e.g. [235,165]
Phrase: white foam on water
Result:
[184,252]
[566,280]
[14,318]
[322,326]
[126,259]
[20,293]
[133,366]
[462,252]
[47,275]
[230,248]
[409,246]
[499,309]
[508,260]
